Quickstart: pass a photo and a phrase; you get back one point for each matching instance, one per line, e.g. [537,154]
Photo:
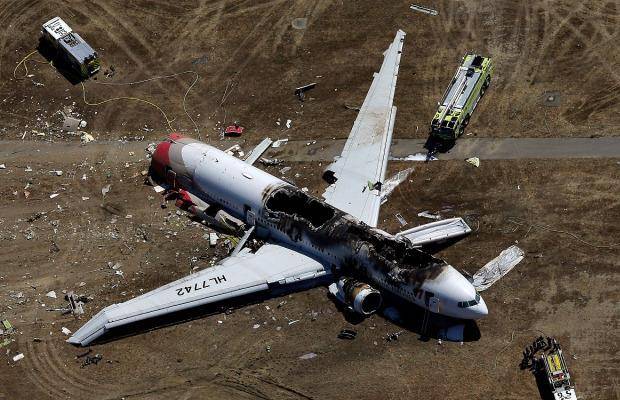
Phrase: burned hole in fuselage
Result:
[294,202]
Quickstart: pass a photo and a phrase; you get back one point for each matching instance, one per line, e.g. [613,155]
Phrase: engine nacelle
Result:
[358,296]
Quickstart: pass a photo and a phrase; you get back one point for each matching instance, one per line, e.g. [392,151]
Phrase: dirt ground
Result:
[566,287]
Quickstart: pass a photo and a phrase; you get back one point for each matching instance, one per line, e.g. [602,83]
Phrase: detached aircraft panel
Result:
[235,276]
[364,158]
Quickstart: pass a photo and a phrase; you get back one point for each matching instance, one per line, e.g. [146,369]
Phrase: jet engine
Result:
[358,296]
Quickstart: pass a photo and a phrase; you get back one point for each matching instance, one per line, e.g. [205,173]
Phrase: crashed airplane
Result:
[307,241]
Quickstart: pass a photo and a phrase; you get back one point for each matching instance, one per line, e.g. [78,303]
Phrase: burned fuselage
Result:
[283,214]
[352,247]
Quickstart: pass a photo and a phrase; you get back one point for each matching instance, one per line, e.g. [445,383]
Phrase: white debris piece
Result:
[106,189]
[84,198]
[257,151]
[426,214]
[279,143]
[390,184]
[83,124]
[53,195]
[3,166]
[86,138]
[256,326]
[308,356]
[400,219]
[66,331]
[475,161]
[51,294]
[497,268]
[425,10]
[288,123]
[28,169]
[158,189]
[18,357]
[213,239]
[413,157]
[56,172]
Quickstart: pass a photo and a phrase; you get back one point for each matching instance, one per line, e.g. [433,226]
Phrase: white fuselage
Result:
[241,190]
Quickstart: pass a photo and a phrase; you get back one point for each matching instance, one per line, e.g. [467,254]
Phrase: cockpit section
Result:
[467,304]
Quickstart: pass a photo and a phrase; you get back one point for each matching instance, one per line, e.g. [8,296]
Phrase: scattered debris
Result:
[3,166]
[75,303]
[51,294]
[256,326]
[18,357]
[414,157]
[426,214]
[279,143]
[475,161]
[293,322]
[288,123]
[400,219]
[497,268]
[284,170]
[347,334]
[308,356]
[300,92]
[66,331]
[391,337]
[70,124]
[258,151]
[92,360]
[390,184]
[234,130]
[213,239]
[425,10]
[86,138]
[54,195]
[270,161]
[106,189]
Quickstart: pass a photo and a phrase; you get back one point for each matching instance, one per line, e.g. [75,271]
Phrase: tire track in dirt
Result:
[37,372]
[57,372]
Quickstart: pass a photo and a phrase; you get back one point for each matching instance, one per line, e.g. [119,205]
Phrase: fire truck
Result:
[471,80]
[557,374]
[70,48]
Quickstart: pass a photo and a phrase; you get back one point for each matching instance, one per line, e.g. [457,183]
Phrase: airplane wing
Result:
[356,175]
[271,267]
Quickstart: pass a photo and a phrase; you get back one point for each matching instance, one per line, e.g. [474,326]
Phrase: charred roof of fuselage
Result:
[327,226]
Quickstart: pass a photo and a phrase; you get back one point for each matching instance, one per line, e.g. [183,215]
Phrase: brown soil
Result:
[565,287]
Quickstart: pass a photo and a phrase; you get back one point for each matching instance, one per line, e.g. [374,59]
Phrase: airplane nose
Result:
[480,310]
